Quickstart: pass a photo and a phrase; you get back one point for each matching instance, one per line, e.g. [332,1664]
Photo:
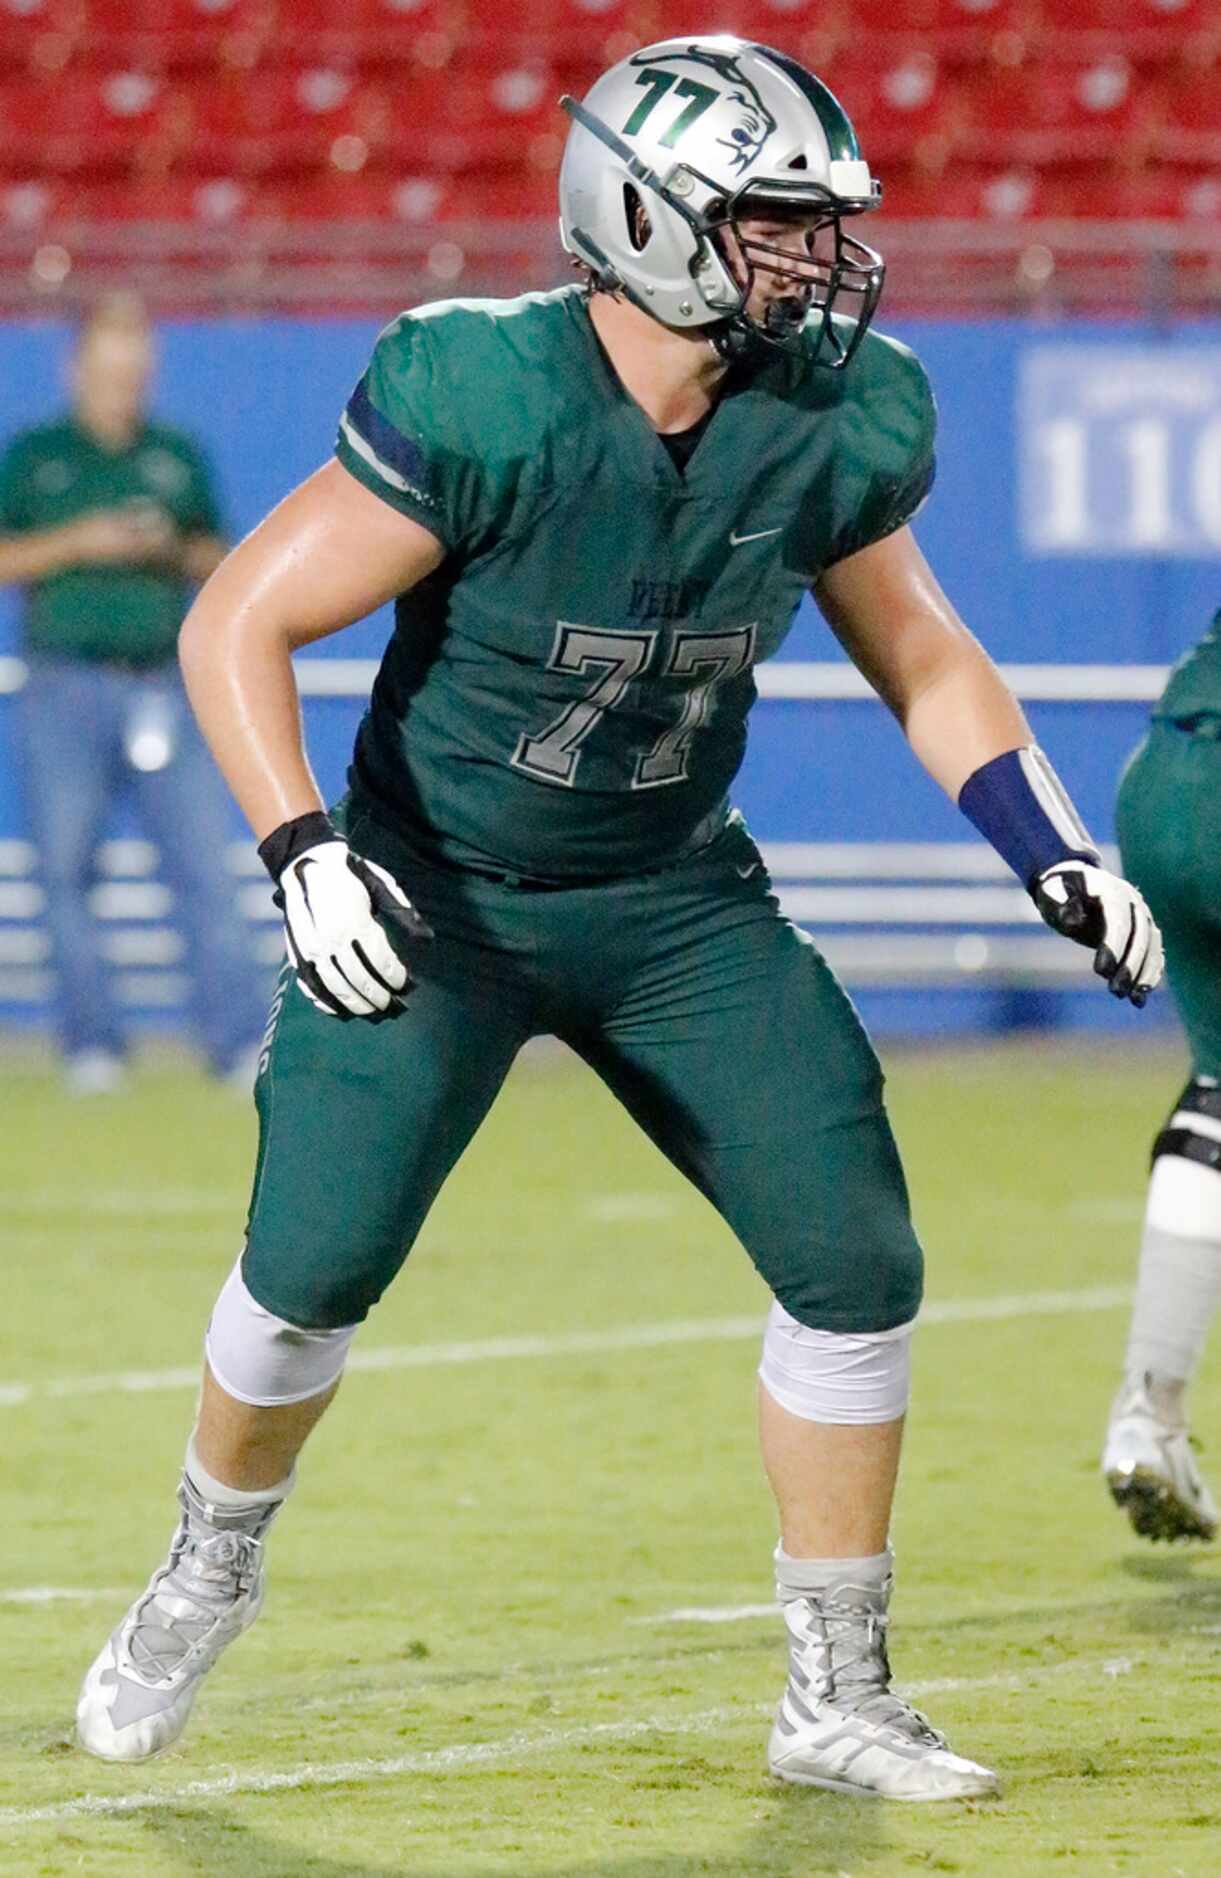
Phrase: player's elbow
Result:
[200,637]
[227,621]
[935,657]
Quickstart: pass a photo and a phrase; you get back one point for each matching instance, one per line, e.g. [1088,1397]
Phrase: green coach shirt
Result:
[127,614]
[567,695]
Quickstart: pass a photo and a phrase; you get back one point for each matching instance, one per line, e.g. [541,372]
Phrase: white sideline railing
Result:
[796,679]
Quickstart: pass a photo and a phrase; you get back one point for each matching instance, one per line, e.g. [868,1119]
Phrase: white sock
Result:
[235,1499]
[1179,1283]
[798,1577]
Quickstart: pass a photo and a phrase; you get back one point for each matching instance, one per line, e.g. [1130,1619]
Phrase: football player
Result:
[1169,822]
[597,509]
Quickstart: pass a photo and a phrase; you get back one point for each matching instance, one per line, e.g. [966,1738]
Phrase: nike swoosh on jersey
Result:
[761,534]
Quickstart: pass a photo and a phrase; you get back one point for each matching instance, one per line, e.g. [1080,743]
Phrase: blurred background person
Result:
[1169,825]
[107,520]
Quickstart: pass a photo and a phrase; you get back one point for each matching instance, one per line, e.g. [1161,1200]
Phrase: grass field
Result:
[473,1661]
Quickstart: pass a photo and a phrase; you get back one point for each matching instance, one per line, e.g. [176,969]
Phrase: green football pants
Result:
[711,1017]
[1168,818]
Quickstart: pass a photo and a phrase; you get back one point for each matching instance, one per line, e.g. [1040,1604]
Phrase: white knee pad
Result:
[835,1376]
[260,1359]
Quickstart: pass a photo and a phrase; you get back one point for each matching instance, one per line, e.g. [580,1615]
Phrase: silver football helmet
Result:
[674,147]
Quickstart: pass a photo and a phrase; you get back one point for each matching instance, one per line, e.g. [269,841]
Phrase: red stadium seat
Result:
[38,34]
[1071,113]
[780,23]
[122,120]
[169,33]
[376,32]
[871,17]
[1160,193]
[218,202]
[596,32]
[379,218]
[529,196]
[965,31]
[392,199]
[1191,128]
[1145,30]
[478,121]
[962,193]
[902,108]
[284,118]
[30,129]
[33,205]
[955,29]
[1196,195]
[331,197]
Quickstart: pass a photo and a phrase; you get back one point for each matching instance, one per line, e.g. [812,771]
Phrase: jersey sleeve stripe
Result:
[399,459]
[363,463]
[360,448]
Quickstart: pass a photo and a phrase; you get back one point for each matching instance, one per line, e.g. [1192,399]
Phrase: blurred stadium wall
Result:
[277,180]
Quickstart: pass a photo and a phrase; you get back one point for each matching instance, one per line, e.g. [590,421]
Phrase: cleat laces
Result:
[193,1593]
[840,1657]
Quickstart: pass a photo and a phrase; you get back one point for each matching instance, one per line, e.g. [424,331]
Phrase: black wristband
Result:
[290,839]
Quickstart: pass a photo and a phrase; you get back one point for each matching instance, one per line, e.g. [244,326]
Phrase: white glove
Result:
[336,908]
[1102,910]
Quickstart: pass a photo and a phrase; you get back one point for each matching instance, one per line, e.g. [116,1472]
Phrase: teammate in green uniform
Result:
[108,521]
[1169,820]
[598,509]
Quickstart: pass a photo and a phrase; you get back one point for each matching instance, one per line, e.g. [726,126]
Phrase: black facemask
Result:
[845,280]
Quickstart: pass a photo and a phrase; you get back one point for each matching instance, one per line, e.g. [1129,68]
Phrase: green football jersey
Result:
[125,613]
[1194,686]
[567,695]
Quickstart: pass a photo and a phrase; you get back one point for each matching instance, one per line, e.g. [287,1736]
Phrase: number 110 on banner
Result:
[1120,450]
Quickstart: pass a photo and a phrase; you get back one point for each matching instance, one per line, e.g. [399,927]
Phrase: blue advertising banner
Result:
[1119,450]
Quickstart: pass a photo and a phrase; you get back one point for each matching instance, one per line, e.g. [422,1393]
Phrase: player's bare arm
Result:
[887,609]
[889,613]
[330,553]
[326,556]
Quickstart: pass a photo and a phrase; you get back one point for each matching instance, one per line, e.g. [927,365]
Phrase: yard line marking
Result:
[710,1614]
[489,1753]
[51,1594]
[1103,1209]
[611,1208]
[1026,1304]
[575,1343]
[1013,1608]
[123,1202]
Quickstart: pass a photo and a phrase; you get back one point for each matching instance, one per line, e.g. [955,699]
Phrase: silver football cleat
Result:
[1151,1471]
[841,1725]
[136,1697]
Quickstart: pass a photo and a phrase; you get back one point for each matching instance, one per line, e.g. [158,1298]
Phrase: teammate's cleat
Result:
[137,1695]
[1151,1471]
[841,1725]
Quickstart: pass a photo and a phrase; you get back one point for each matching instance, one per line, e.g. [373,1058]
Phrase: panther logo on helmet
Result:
[751,122]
